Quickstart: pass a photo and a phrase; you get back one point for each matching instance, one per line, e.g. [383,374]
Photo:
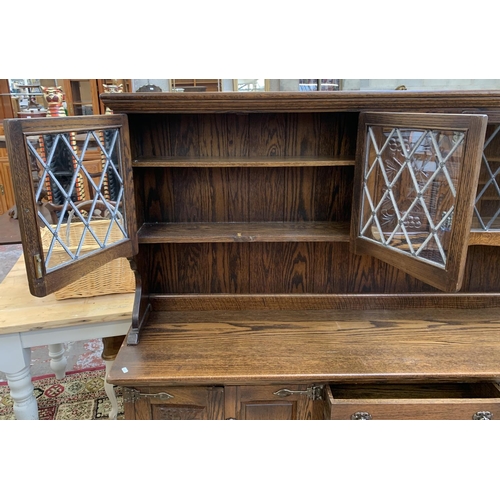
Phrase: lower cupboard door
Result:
[280,402]
[458,401]
[174,403]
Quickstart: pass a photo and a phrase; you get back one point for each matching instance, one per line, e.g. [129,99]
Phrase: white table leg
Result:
[110,392]
[58,361]
[21,390]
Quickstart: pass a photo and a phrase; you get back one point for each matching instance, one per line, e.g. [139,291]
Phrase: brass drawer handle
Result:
[482,415]
[361,415]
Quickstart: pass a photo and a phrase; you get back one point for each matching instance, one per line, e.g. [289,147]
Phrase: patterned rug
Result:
[79,396]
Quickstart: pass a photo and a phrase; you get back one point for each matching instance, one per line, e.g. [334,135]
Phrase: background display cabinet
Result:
[301,255]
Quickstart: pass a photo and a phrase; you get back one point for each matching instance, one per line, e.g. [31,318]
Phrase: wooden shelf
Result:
[312,346]
[259,161]
[243,232]
[480,237]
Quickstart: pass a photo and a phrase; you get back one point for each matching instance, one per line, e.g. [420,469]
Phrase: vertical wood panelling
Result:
[282,268]
[266,134]
[237,135]
[322,268]
[193,196]
[303,132]
[333,190]
[331,267]
[266,198]
[186,136]
[228,194]
[230,272]
[476,279]
[274,194]
[246,194]
[213,140]
[300,194]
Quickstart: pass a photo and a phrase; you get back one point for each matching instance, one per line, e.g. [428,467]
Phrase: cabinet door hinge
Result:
[315,392]
[132,395]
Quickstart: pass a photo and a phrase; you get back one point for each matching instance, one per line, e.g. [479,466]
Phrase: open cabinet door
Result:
[74,195]
[415,185]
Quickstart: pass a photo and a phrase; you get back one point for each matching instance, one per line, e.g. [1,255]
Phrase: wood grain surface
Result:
[227,347]
[22,312]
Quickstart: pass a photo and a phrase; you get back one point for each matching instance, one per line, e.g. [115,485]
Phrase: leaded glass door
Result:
[415,187]
[74,195]
[486,219]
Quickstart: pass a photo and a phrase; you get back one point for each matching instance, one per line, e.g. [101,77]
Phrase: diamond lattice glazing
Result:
[409,191]
[79,192]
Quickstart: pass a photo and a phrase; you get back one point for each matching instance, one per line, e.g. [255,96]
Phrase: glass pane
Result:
[409,192]
[251,85]
[79,192]
[82,109]
[487,207]
[326,84]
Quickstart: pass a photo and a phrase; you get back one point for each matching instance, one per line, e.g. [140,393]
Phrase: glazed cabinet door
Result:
[74,193]
[415,184]
[174,403]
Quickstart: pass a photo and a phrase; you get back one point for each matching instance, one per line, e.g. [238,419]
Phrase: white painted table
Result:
[27,321]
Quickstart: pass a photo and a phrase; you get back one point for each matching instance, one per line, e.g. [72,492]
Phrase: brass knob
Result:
[361,415]
[482,415]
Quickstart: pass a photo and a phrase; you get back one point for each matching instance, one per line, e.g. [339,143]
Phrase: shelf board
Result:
[241,232]
[245,347]
[489,238]
[240,161]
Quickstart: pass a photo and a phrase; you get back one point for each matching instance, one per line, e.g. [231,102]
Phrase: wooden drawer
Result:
[458,401]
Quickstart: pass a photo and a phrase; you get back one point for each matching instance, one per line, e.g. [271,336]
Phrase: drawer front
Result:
[413,402]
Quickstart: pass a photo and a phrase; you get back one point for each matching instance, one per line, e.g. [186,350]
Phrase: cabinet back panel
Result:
[482,272]
[247,135]
[288,267]
[245,194]
[270,268]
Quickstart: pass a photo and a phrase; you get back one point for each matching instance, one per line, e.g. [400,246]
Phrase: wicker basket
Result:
[114,277]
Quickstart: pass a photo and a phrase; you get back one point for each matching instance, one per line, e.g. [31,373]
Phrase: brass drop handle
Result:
[361,415]
[482,415]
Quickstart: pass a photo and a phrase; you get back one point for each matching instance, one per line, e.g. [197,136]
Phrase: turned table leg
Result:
[21,389]
[109,352]
[58,361]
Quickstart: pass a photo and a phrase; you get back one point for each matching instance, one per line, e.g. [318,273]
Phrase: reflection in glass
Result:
[410,179]
[251,85]
[78,186]
[313,84]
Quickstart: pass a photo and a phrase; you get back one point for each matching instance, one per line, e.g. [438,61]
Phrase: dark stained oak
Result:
[244,204]
[460,401]
[448,277]
[286,102]
[188,403]
[243,232]
[248,277]
[257,347]
[16,132]
[260,161]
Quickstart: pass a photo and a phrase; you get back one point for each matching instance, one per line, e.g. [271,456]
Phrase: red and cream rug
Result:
[79,396]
